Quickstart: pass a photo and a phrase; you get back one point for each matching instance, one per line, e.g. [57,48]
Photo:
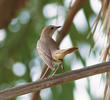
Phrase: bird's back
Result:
[44,50]
[52,44]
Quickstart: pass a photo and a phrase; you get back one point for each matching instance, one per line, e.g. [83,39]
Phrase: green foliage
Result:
[20,46]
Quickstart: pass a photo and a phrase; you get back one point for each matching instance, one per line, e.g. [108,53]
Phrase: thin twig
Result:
[55,80]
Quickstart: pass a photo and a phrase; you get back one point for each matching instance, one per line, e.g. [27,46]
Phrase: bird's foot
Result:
[62,67]
[56,70]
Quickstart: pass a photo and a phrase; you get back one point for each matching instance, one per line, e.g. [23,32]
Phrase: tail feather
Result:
[59,54]
[70,50]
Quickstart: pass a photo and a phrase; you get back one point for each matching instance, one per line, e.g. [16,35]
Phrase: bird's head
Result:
[50,30]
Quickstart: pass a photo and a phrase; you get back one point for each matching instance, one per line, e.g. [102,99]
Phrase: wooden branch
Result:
[69,19]
[55,80]
[8,10]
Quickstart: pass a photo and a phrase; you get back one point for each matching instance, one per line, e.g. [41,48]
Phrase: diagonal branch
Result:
[55,80]
[69,19]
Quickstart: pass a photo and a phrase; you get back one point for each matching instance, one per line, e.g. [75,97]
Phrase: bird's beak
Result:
[58,26]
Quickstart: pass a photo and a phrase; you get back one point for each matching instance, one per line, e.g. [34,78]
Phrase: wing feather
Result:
[45,53]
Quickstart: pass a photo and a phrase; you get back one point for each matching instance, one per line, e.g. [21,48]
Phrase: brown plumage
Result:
[48,48]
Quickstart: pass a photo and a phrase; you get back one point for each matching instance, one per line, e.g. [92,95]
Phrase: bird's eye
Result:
[52,28]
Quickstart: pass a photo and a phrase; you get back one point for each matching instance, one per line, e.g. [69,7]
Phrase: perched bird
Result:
[49,50]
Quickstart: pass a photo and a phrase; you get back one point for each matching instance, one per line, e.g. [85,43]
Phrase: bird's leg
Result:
[43,76]
[56,70]
[62,67]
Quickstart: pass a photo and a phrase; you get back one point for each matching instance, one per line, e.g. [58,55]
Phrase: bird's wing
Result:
[45,53]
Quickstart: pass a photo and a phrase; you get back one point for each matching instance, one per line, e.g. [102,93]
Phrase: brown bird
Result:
[49,50]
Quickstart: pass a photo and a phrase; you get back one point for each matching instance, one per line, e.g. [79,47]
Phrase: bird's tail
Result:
[70,50]
[59,54]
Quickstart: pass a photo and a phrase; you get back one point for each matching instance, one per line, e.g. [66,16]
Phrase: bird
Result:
[49,51]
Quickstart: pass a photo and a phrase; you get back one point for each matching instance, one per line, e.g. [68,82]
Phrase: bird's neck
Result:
[45,36]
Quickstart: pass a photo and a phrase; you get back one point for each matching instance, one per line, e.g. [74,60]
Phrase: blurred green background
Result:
[20,62]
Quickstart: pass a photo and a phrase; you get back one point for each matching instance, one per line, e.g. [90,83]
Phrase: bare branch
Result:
[69,19]
[8,10]
[55,80]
